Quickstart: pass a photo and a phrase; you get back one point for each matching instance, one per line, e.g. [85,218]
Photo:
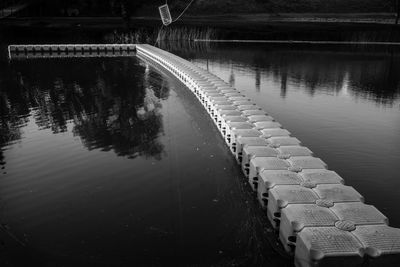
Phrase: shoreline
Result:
[240,27]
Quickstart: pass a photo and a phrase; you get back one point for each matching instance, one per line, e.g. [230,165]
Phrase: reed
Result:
[171,33]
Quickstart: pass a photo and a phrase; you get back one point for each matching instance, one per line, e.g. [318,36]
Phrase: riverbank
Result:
[308,27]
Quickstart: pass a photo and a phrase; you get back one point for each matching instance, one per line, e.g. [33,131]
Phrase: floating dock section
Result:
[320,220]
[70,50]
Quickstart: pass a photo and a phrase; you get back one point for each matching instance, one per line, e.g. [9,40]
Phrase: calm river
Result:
[113,162]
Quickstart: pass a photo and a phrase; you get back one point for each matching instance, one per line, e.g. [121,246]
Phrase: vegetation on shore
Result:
[149,7]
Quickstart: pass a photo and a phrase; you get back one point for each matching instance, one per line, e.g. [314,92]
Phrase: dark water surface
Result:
[112,162]
[341,102]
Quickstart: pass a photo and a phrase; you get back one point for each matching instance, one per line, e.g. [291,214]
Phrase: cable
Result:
[180,15]
[158,35]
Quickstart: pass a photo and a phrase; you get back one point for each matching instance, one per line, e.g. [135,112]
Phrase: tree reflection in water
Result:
[107,101]
[364,72]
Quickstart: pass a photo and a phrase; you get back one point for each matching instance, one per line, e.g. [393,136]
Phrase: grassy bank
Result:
[255,27]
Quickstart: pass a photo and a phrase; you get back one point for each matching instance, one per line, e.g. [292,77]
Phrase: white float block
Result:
[267,179]
[228,91]
[295,151]
[270,132]
[249,107]
[254,112]
[284,141]
[233,95]
[243,102]
[359,213]
[338,193]
[263,121]
[201,92]
[230,126]
[239,98]
[226,119]
[260,125]
[327,247]
[221,114]
[307,162]
[216,111]
[282,195]
[206,96]
[210,110]
[242,133]
[295,217]
[212,100]
[250,152]
[320,176]
[259,164]
[207,99]
[242,142]
[381,243]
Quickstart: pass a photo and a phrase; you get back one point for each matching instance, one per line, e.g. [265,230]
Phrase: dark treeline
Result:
[149,7]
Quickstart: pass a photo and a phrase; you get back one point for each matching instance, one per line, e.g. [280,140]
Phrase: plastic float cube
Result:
[212,100]
[254,112]
[324,213]
[226,119]
[359,213]
[221,114]
[295,151]
[243,102]
[211,78]
[295,217]
[328,247]
[281,196]
[207,102]
[267,179]
[248,107]
[284,141]
[241,133]
[207,95]
[233,94]
[320,176]
[242,142]
[381,244]
[228,91]
[260,125]
[259,164]
[233,126]
[209,89]
[215,111]
[338,193]
[307,162]
[216,104]
[222,83]
[270,132]
[250,152]
[217,107]
[238,98]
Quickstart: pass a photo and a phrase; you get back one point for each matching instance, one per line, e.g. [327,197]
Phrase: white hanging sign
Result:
[165,14]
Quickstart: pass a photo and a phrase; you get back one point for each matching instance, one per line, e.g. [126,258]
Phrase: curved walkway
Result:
[319,219]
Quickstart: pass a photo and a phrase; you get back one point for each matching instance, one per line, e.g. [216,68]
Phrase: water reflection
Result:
[109,104]
[341,102]
[367,75]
